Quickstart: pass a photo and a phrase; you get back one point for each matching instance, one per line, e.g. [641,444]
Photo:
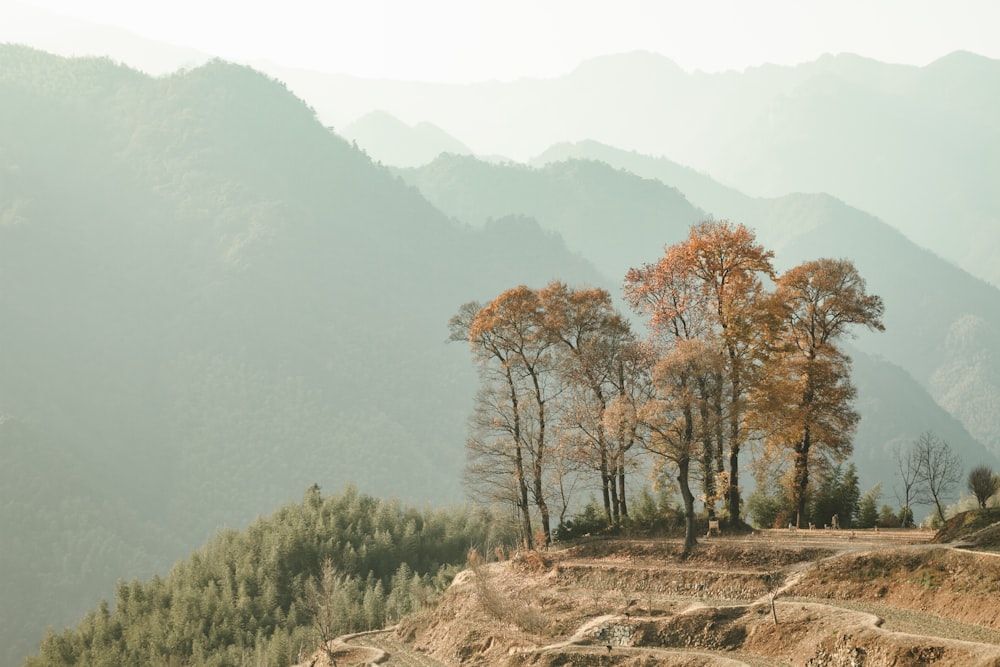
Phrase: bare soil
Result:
[819,598]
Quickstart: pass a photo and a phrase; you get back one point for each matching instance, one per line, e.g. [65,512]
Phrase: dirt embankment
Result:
[637,603]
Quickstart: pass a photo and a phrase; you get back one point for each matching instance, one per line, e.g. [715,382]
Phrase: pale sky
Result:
[468,40]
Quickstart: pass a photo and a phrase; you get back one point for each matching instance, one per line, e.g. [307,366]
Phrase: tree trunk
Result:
[522,482]
[615,507]
[683,470]
[605,491]
[733,492]
[707,454]
[621,485]
[690,537]
[940,510]
[522,500]
[543,508]
[801,477]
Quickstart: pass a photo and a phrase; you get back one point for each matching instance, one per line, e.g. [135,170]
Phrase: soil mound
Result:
[978,528]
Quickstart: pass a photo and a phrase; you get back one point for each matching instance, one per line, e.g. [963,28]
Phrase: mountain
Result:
[585,202]
[391,141]
[614,216]
[210,302]
[952,353]
[67,36]
[918,147]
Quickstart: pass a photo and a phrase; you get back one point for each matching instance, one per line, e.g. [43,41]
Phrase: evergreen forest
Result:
[270,594]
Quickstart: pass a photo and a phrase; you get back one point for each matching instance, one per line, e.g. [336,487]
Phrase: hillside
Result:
[628,218]
[211,302]
[265,595]
[915,146]
[821,598]
[585,202]
[390,141]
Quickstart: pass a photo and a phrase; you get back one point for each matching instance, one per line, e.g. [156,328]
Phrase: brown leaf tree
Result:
[804,395]
[710,287]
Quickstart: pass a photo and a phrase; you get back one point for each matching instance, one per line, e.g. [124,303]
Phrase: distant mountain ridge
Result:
[391,141]
[919,147]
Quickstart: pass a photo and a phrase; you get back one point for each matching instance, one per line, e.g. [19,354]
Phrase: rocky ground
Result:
[818,598]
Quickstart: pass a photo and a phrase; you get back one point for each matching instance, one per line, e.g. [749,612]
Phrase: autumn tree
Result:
[671,417]
[940,469]
[983,483]
[804,396]
[676,309]
[730,264]
[501,335]
[713,278]
[593,342]
[552,362]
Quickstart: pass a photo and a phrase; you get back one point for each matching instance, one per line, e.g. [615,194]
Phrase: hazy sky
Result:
[465,40]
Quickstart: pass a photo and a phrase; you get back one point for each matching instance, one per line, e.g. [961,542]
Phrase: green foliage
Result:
[659,514]
[650,513]
[309,572]
[590,521]
[887,518]
[868,512]
[837,495]
[769,510]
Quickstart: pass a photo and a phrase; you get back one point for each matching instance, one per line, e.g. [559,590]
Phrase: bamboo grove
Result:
[735,356]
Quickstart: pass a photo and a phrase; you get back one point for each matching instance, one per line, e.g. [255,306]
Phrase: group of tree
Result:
[561,374]
[281,588]
[930,473]
[735,355]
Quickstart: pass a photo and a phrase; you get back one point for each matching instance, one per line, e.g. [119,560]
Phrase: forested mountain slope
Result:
[210,302]
[271,593]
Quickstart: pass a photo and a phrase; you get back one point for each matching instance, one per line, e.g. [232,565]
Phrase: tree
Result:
[804,398]
[709,287]
[728,260]
[940,469]
[324,601]
[887,518]
[836,499]
[591,340]
[496,446]
[983,484]
[868,509]
[910,492]
[671,415]
[552,363]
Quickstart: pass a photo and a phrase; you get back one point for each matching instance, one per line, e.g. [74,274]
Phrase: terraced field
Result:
[820,598]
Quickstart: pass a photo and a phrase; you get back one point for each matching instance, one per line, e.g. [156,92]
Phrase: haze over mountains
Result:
[917,147]
[213,301]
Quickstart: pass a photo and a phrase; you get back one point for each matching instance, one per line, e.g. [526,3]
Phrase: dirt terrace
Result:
[859,598]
